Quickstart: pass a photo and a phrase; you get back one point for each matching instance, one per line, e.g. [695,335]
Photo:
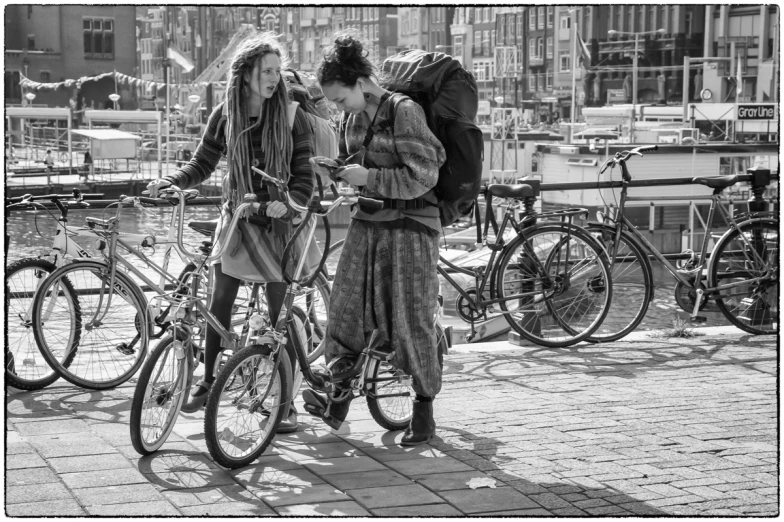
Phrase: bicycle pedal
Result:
[698,319]
[124,349]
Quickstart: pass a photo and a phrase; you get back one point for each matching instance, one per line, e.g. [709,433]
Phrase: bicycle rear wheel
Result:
[159,394]
[316,305]
[632,284]
[238,426]
[749,252]
[25,366]
[554,283]
[115,325]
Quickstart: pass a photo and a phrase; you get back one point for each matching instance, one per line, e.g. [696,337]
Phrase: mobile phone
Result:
[332,168]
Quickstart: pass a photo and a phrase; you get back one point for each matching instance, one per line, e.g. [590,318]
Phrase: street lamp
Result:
[613,32]
[114,97]
[30,97]
[194,98]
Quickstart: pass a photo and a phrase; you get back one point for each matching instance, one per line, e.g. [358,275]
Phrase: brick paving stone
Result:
[24,461]
[89,463]
[16,448]
[324,509]
[342,465]
[613,511]
[242,508]
[451,481]
[289,496]
[270,478]
[391,496]
[22,477]
[484,500]
[430,510]
[387,453]
[319,451]
[101,478]
[670,501]
[367,479]
[568,512]
[190,479]
[705,492]
[418,467]
[39,493]
[212,495]
[117,494]
[60,508]
[134,509]
[70,445]
[51,427]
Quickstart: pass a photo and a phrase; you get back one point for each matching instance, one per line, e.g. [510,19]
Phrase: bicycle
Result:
[25,368]
[741,271]
[165,380]
[249,396]
[550,279]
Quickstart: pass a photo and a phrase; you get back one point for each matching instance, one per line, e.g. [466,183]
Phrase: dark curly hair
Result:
[345,61]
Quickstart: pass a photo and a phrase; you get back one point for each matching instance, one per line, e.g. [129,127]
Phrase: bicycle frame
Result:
[622,222]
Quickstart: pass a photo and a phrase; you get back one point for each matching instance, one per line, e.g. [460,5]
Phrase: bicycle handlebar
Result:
[621,157]
[77,196]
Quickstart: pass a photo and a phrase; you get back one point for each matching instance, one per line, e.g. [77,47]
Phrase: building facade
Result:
[51,43]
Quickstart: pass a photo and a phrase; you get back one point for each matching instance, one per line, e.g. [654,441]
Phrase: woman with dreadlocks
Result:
[252,127]
[386,280]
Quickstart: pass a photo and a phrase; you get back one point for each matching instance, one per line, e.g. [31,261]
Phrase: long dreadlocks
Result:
[273,119]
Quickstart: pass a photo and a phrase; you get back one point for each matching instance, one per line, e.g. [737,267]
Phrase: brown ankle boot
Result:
[422,427]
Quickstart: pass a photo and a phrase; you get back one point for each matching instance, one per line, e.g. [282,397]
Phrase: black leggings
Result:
[225,289]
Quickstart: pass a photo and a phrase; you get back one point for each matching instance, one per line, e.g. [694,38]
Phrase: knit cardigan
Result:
[402,161]
[213,146]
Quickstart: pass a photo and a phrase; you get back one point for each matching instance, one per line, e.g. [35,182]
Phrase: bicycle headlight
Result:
[256,321]
[600,216]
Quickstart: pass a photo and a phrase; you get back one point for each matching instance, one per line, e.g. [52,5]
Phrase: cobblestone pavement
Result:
[646,426]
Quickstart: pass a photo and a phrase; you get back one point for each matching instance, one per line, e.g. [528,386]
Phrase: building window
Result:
[540,82]
[415,20]
[375,29]
[45,77]
[550,15]
[492,43]
[663,19]
[549,46]
[479,72]
[532,19]
[617,15]
[565,22]
[487,15]
[13,91]
[98,38]
[549,84]
[531,82]
[540,47]
[510,28]
[565,61]
[486,43]
[650,18]
[477,42]
[404,24]
[458,47]
[31,41]
[540,16]
[519,25]
[630,18]
[532,47]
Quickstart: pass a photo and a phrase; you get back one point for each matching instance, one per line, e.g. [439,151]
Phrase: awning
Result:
[107,134]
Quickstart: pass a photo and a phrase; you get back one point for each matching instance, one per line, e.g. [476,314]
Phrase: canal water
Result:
[31,233]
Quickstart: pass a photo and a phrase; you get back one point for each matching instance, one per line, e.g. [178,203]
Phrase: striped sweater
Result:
[402,162]
[213,145]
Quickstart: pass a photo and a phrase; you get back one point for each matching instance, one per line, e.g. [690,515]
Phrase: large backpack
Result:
[325,138]
[448,96]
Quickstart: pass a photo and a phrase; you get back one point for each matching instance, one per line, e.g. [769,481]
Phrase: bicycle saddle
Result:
[511,191]
[716,182]
[204,227]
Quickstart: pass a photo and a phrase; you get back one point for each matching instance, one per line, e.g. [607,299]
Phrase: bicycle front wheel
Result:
[115,325]
[748,258]
[632,284]
[315,303]
[25,366]
[159,395]
[245,406]
[554,284]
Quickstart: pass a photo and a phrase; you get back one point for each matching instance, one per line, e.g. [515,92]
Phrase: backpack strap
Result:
[370,132]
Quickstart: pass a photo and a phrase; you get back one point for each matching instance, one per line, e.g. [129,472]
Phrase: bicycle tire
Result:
[391,405]
[25,366]
[316,306]
[632,284]
[157,403]
[548,309]
[753,308]
[104,359]
[223,427]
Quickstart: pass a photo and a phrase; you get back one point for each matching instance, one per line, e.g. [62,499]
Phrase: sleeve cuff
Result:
[371,180]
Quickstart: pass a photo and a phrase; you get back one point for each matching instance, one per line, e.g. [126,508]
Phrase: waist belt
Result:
[397,204]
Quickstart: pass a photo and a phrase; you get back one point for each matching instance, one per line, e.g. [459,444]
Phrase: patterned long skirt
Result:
[386,280]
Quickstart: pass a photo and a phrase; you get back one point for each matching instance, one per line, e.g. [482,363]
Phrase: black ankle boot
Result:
[422,427]
[317,405]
